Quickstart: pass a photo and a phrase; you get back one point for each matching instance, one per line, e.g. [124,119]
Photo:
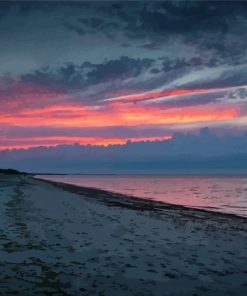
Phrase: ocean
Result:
[227,194]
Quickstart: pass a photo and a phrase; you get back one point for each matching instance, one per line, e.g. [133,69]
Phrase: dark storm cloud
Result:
[182,63]
[118,69]
[207,26]
[169,17]
[188,19]
[93,83]
[72,76]
[208,29]
[184,18]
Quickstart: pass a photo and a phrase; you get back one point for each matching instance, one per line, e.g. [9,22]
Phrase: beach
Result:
[59,239]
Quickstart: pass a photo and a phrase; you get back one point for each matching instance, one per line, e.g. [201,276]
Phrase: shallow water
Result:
[222,194]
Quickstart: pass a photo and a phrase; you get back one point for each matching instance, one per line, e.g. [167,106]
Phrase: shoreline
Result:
[186,173]
[61,239]
[142,204]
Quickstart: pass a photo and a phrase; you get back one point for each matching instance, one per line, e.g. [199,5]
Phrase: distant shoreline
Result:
[172,173]
[163,173]
[141,204]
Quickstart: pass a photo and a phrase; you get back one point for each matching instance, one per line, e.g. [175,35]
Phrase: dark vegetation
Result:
[11,172]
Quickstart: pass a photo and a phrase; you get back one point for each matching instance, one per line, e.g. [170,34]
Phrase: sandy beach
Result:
[58,239]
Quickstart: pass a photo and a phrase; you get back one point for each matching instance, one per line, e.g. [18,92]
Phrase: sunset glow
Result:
[100,86]
[53,141]
[110,115]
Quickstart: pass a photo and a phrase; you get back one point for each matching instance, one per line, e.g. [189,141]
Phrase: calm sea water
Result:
[223,194]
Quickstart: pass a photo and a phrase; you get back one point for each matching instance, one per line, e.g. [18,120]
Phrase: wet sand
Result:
[58,239]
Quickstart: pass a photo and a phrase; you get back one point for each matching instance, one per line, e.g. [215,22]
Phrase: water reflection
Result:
[225,194]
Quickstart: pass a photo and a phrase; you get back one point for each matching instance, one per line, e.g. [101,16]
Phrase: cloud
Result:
[75,28]
[185,151]
[76,77]
[16,95]
[125,132]
[106,66]
[122,81]
[206,30]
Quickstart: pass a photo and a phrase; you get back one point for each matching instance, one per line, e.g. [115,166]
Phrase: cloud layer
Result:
[184,152]
[107,72]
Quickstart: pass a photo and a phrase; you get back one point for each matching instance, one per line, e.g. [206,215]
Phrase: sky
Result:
[108,72]
[201,153]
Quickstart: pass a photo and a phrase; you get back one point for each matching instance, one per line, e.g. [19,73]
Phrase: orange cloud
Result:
[155,95]
[54,140]
[55,113]
[151,95]
[77,116]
